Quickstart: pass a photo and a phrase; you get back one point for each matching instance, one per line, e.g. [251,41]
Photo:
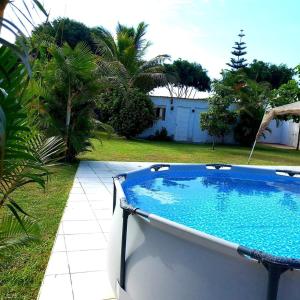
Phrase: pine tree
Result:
[238,61]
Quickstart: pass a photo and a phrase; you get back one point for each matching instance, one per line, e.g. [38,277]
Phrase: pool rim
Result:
[275,265]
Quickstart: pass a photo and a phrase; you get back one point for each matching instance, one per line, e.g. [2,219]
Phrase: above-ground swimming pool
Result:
[206,232]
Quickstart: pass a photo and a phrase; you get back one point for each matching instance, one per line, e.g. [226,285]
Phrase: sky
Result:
[201,31]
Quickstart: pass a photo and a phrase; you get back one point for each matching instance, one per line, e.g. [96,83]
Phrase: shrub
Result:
[161,135]
[246,128]
[129,112]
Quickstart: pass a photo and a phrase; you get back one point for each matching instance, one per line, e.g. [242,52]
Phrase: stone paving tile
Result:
[85,241]
[76,227]
[56,287]
[87,261]
[91,286]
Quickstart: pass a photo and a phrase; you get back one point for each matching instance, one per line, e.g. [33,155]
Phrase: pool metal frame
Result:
[274,265]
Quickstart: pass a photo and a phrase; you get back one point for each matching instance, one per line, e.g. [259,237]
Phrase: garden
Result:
[71,93]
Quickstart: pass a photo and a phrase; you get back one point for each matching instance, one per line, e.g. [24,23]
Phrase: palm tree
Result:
[125,57]
[71,80]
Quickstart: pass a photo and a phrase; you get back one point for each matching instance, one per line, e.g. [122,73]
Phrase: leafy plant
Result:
[24,153]
[129,112]
[185,79]
[124,58]
[65,30]
[218,120]
[71,83]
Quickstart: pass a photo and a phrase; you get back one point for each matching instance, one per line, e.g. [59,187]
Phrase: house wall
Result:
[182,120]
[183,123]
[282,132]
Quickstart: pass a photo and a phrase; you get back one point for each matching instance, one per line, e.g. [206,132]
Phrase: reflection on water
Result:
[259,214]
[288,201]
[161,196]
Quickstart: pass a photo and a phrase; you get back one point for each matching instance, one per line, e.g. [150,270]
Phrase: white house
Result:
[181,118]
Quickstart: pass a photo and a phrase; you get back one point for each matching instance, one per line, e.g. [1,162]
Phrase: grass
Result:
[119,149]
[22,270]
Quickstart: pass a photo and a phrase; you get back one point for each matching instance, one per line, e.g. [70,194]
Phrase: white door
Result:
[182,123]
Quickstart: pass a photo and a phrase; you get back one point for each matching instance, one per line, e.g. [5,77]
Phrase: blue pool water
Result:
[262,215]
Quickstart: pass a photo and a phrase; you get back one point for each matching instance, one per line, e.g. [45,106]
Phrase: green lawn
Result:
[22,271]
[119,149]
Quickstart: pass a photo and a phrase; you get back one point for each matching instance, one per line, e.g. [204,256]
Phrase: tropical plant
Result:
[23,14]
[129,112]
[185,79]
[65,30]
[125,56]
[24,152]
[71,83]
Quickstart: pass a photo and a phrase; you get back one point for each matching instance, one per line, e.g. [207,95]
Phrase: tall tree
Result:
[65,30]
[238,61]
[125,55]
[276,75]
[185,79]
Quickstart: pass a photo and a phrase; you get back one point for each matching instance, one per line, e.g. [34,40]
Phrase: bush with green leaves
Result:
[218,120]
[128,112]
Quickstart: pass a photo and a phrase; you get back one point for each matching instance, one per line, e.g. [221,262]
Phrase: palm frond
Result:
[12,233]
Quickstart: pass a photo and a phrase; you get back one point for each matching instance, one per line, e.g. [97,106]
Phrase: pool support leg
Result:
[274,273]
[114,195]
[123,248]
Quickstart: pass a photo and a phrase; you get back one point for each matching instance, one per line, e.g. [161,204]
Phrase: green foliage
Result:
[129,113]
[24,153]
[218,120]
[276,75]
[15,233]
[250,99]
[22,268]
[23,14]
[71,81]
[238,61]
[65,30]
[186,78]
[161,135]
[287,93]
[124,58]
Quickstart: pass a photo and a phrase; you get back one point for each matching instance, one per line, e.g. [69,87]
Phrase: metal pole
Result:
[123,249]
[252,150]
[114,196]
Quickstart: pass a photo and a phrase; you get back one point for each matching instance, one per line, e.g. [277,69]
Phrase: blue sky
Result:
[199,30]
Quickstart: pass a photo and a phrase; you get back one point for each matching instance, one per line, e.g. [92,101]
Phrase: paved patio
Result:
[77,265]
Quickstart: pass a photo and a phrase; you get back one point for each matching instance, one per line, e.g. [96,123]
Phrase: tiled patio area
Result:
[77,266]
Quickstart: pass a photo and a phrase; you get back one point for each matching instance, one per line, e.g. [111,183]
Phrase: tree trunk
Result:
[68,120]
[213,143]
[298,142]
[3,4]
